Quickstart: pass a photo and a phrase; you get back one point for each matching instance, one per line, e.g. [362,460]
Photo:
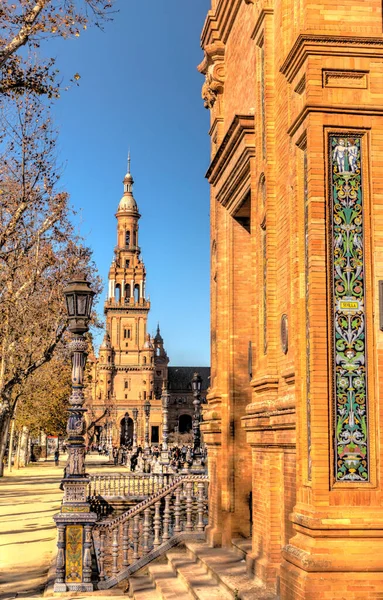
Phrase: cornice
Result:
[329,45]
[218,23]
[365,111]
[259,23]
[240,131]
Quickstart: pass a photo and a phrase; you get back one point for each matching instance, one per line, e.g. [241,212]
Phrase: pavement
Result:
[29,497]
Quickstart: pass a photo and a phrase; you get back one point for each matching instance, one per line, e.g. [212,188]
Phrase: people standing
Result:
[56,457]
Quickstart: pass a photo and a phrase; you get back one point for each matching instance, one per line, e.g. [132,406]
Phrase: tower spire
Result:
[129,161]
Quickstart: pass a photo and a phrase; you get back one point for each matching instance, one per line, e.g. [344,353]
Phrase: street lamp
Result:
[75,508]
[147,406]
[135,417]
[196,384]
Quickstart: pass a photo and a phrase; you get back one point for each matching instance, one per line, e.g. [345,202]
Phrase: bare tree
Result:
[39,250]
[28,23]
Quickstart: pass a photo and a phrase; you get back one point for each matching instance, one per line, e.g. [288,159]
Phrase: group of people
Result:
[149,461]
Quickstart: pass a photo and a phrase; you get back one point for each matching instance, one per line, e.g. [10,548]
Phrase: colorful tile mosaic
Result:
[73,563]
[348,307]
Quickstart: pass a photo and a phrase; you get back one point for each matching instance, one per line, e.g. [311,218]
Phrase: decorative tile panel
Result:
[348,309]
[73,563]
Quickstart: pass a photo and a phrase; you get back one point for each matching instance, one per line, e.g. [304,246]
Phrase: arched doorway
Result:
[126,430]
[185,424]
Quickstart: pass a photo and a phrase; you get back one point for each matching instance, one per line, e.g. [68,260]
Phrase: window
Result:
[144,360]
[126,334]
[127,264]
[127,238]
[158,373]
[144,395]
[126,385]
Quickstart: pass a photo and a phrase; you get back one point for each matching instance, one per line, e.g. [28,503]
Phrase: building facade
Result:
[132,366]
[294,416]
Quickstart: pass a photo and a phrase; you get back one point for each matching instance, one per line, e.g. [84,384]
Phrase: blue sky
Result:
[139,88]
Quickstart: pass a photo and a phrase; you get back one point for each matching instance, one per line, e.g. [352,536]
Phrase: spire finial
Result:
[129,160]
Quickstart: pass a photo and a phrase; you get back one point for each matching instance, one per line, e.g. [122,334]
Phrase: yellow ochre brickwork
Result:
[294,420]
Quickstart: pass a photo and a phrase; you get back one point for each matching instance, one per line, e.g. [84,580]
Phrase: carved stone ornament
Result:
[214,70]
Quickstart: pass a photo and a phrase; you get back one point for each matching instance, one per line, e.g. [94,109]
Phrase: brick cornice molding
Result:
[329,45]
[219,22]
[230,170]
[240,130]
[363,111]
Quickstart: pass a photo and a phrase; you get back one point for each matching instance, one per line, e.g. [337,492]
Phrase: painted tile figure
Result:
[349,329]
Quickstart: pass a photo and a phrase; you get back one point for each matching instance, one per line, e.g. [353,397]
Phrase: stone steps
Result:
[197,572]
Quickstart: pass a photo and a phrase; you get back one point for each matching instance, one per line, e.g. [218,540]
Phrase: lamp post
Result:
[75,521]
[135,418]
[196,384]
[147,406]
[165,432]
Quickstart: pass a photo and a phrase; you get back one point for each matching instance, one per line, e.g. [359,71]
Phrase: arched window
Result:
[134,238]
[118,293]
[127,238]
[158,351]
[144,360]
[127,290]
[136,293]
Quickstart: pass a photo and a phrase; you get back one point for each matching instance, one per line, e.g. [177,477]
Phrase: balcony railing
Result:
[128,484]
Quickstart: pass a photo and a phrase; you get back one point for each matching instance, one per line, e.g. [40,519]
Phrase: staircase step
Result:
[169,586]
[229,570]
[141,587]
[199,582]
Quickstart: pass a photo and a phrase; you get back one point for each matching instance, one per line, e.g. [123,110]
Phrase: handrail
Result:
[126,543]
[127,484]
[120,519]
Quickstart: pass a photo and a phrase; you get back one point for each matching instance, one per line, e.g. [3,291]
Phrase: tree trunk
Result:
[11,439]
[18,450]
[3,440]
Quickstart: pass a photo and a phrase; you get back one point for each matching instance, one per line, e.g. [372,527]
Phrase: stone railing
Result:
[128,542]
[127,484]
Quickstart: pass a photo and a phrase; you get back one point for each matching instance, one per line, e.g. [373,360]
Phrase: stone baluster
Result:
[146,531]
[107,481]
[200,505]
[189,506]
[177,510]
[102,556]
[157,524]
[125,544]
[60,561]
[115,549]
[136,537]
[165,532]
[87,568]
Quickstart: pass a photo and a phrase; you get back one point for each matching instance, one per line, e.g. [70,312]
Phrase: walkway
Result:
[29,498]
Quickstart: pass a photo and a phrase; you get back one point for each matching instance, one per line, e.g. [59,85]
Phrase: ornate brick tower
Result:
[294,420]
[128,361]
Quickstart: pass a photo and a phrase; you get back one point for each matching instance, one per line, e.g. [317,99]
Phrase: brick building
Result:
[294,418]
[132,366]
